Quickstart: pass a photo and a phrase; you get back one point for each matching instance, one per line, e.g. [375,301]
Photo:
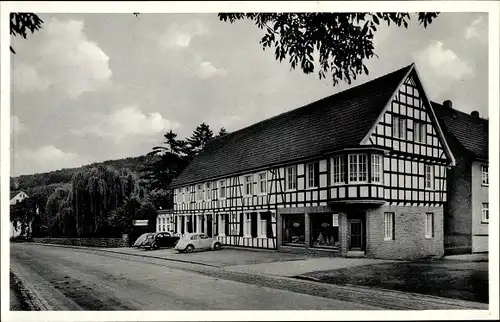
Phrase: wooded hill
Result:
[29,181]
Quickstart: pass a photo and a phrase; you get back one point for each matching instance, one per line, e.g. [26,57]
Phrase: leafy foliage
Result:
[342,41]
[22,214]
[22,22]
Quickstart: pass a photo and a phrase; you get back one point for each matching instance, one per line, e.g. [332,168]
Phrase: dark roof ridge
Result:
[468,115]
[344,92]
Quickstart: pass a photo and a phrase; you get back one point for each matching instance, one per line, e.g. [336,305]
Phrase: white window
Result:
[262,177]
[193,193]
[312,174]
[186,194]
[399,127]
[291,178]
[428,176]
[335,220]
[222,225]
[485,213]
[249,185]
[419,132]
[338,169]
[208,190]
[222,192]
[247,227]
[429,225]
[214,190]
[388,226]
[484,175]
[262,228]
[199,192]
[357,168]
[376,168]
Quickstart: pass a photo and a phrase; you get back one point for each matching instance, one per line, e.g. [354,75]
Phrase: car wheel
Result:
[189,248]
[156,246]
[217,246]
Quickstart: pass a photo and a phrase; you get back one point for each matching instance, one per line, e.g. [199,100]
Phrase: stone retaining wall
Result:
[88,242]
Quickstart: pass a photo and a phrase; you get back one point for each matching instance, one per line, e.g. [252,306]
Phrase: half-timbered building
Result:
[361,172]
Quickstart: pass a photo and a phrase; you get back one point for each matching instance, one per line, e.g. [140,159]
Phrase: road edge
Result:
[29,296]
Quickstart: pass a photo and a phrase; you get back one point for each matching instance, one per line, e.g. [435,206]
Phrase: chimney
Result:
[447,104]
[475,114]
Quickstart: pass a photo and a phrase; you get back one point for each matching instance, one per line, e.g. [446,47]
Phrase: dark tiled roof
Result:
[470,132]
[337,121]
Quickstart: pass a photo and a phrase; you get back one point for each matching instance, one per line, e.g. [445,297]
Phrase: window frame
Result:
[399,127]
[315,175]
[208,190]
[485,180]
[431,179]
[200,192]
[429,225]
[214,190]
[358,167]
[222,186]
[485,210]
[247,225]
[294,177]
[260,181]
[248,192]
[338,171]
[389,226]
[380,171]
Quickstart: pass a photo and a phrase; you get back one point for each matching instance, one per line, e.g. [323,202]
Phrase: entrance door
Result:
[356,235]
[209,226]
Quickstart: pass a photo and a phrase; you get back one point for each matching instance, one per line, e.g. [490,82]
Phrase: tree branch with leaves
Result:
[343,42]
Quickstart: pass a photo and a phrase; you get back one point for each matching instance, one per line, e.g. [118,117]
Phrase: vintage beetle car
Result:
[158,240]
[196,241]
[141,239]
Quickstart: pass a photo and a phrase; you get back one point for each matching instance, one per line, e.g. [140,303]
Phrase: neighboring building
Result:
[15,197]
[165,221]
[467,213]
[359,172]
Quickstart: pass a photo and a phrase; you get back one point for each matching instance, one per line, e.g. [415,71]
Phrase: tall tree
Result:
[22,214]
[222,132]
[343,41]
[198,140]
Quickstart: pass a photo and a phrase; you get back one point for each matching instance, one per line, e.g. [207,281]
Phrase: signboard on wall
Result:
[142,222]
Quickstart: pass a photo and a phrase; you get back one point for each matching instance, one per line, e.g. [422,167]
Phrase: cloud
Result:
[206,70]
[180,37]
[16,126]
[45,158]
[441,66]
[477,29]
[62,58]
[127,122]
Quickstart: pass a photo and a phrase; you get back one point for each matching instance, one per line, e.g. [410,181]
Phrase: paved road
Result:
[72,279]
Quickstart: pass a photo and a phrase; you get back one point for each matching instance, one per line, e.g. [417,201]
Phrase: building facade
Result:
[467,213]
[361,172]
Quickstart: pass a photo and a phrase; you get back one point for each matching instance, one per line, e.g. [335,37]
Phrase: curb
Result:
[125,253]
[29,295]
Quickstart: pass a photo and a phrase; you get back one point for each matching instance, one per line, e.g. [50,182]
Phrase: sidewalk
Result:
[476,257]
[299,267]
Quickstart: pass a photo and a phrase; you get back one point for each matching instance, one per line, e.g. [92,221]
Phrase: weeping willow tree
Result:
[96,193]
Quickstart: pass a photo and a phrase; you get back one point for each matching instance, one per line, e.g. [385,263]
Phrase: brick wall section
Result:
[88,242]
[410,241]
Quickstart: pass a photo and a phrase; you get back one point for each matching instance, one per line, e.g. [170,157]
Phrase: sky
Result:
[95,87]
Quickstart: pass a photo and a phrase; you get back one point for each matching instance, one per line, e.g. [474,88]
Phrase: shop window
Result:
[324,230]
[294,230]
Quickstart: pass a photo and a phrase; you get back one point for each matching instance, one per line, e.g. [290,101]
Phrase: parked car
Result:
[141,239]
[158,240]
[197,241]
